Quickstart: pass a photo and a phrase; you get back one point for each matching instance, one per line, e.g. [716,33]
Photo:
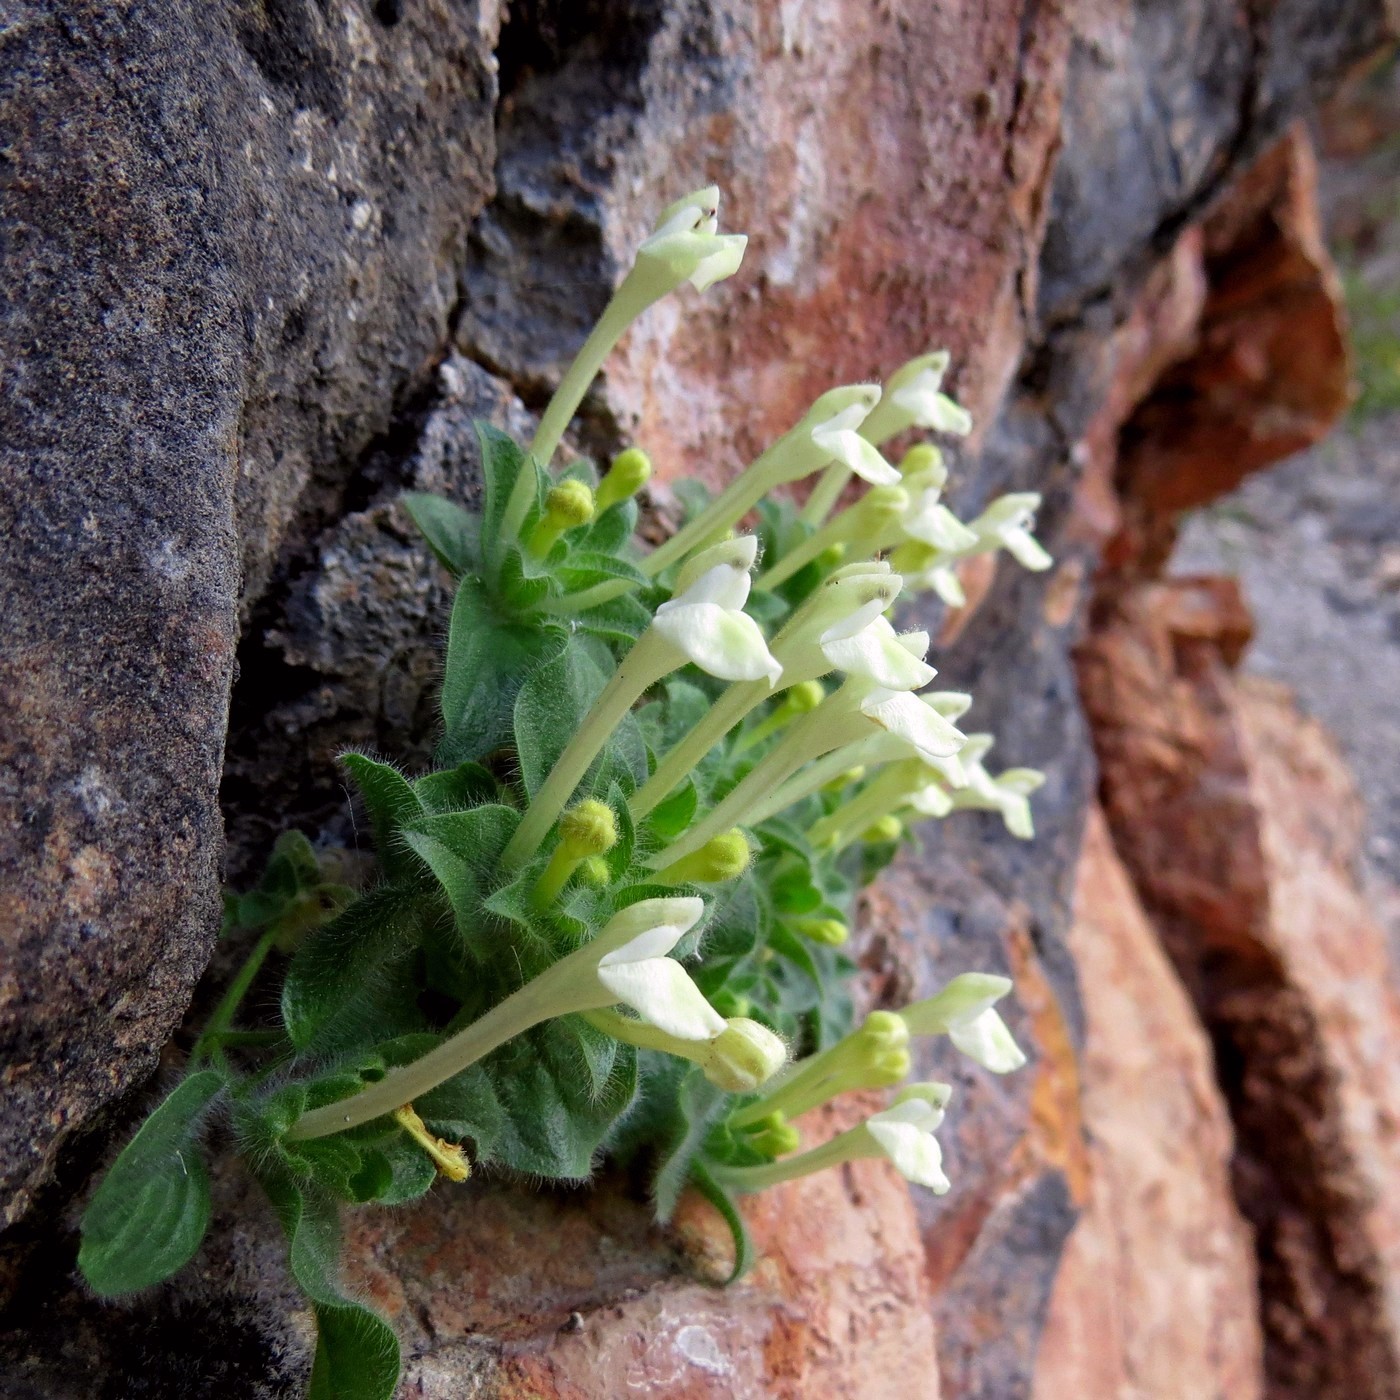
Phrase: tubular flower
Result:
[963,1011]
[708,625]
[826,431]
[1006,524]
[1008,793]
[902,1134]
[686,246]
[626,963]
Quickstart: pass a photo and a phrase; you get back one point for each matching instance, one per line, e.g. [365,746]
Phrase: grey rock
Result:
[231,237]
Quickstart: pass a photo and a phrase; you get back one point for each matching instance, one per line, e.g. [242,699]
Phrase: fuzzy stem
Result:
[722,716]
[557,873]
[794,1087]
[651,658]
[842,1148]
[816,733]
[571,603]
[547,996]
[826,493]
[623,308]
[222,1019]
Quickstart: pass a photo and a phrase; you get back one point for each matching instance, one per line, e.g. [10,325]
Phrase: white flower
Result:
[865,645]
[936,525]
[904,1134]
[920,725]
[687,247]
[634,968]
[1007,522]
[1007,793]
[739,553]
[916,390]
[963,1011]
[840,441]
[708,625]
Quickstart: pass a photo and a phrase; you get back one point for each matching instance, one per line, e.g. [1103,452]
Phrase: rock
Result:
[1240,828]
[1156,1295]
[898,168]
[217,288]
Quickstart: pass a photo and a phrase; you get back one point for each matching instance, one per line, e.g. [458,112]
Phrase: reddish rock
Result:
[1269,373]
[1239,825]
[1156,1294]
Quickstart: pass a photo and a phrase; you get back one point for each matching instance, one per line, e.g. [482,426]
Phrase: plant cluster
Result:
[612,919]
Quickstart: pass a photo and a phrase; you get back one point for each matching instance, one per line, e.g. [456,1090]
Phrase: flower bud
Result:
[804,697]
[922,457]
[567,505]
[630,471]
[743,1056]
[723,857]
[888,828]
[590,829]
[775,1136]
[830,933]
[594,871]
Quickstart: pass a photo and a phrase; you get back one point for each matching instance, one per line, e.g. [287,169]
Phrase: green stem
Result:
[842,1148]
[826,493]
[623,308]
[542,999]
[718,720]
[816,733]
[735,501]
[650,659]
[884,794]
[793,1087]
[557,873]
[571,603]
[227,1008]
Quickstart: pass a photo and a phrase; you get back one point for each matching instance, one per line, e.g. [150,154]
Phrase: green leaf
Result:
[524,584]
[612,529]
[335,967]
[392,804]
[619,621]
[669,818]
[718,1197]
[455,789]
[501,462]
[488,659]
[452,533]
[583,568]
[148,1216]
[550,709]
[463,849]
[699,1105]
[357,1353]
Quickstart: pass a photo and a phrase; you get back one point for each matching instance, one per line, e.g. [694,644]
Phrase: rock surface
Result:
[1240,828]
[339,194]
[1156,1295]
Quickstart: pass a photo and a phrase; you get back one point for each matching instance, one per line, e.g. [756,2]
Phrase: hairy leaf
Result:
[148,1216]
[357,1353]
[392,804]
[452,532]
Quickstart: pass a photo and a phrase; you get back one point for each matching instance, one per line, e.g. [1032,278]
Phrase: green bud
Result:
[723,857]
[630,471]
[590,829]
[844,780]
[883,1030]
[743,1056]
[593,870]
[888,828]
[804,697]
[568,504]
[831,933]
[774,1136]
[920,458]
[730,1004]
[882,507]
[831,557]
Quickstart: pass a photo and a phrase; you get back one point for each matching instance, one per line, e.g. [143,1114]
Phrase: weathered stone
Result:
[1239,826]
[231,242]
[1156,1294]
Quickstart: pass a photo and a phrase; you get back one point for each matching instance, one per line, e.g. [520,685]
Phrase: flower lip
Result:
[681,912]
[905,715]
[874,652]
[739,553]
[724,585]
